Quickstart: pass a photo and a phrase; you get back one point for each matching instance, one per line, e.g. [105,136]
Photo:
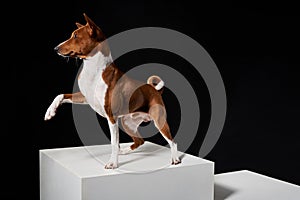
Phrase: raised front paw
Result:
[111,165]
[51,111]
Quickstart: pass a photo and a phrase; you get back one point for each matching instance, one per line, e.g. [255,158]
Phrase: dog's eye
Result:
[75,36]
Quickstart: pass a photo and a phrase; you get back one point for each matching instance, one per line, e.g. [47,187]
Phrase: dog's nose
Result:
[56,48]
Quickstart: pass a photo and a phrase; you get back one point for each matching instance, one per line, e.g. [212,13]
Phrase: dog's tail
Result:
[156,82]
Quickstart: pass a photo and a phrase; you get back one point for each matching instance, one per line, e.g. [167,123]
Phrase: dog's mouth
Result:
[71,54]
[63,55]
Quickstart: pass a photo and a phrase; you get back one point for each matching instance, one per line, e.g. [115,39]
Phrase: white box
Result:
[247,185]
[78,173]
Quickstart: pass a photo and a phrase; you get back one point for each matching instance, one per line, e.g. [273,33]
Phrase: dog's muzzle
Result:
[56,49]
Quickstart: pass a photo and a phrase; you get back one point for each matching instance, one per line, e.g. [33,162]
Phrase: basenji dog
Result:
[111,93]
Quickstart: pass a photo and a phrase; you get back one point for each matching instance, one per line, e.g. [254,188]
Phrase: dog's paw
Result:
[51,111]
[125,151]
[111,165]
[176,161]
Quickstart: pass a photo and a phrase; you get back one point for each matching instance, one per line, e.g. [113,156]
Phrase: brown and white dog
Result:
[111,93]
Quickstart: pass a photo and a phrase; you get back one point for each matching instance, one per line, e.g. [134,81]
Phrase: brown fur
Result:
[76,97]
[124,95]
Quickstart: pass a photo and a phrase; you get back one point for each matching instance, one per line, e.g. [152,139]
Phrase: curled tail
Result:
[156,82]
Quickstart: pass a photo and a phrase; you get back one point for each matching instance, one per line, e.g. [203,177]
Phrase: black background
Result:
[254,44]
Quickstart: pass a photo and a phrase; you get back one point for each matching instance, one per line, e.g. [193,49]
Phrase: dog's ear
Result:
[79,25]
[92,26]
[93,29]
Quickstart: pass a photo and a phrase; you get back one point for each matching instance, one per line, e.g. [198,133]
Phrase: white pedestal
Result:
[78,174]
[247,185]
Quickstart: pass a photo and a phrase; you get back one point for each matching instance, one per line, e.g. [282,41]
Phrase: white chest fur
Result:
[91,83]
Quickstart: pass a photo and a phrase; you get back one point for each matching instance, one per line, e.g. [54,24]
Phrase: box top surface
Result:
[89,161]
[249,185]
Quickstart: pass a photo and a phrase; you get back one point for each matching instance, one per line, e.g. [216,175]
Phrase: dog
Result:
[111,93]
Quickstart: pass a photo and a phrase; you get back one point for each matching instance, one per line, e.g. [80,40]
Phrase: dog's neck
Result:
[98,58]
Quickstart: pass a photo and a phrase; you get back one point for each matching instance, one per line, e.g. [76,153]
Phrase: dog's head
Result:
[82,41]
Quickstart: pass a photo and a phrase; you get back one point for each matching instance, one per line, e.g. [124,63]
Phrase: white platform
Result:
[78,173]
[247,185]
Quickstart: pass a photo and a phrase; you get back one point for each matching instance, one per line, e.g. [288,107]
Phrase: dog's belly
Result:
[94,89]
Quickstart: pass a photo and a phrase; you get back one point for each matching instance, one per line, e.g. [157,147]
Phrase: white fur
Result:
[131,124]
[51,111]
[125,150]
[93,87]
[91,83]
[160,85]
[67,101]
[174,153]
[114,134]
[59,99]
[133,120]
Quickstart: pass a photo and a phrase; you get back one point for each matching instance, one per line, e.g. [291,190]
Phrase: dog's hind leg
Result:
[158,114]
[130,124]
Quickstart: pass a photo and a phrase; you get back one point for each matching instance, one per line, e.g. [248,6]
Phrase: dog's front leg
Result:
[114,135]
[63,98]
